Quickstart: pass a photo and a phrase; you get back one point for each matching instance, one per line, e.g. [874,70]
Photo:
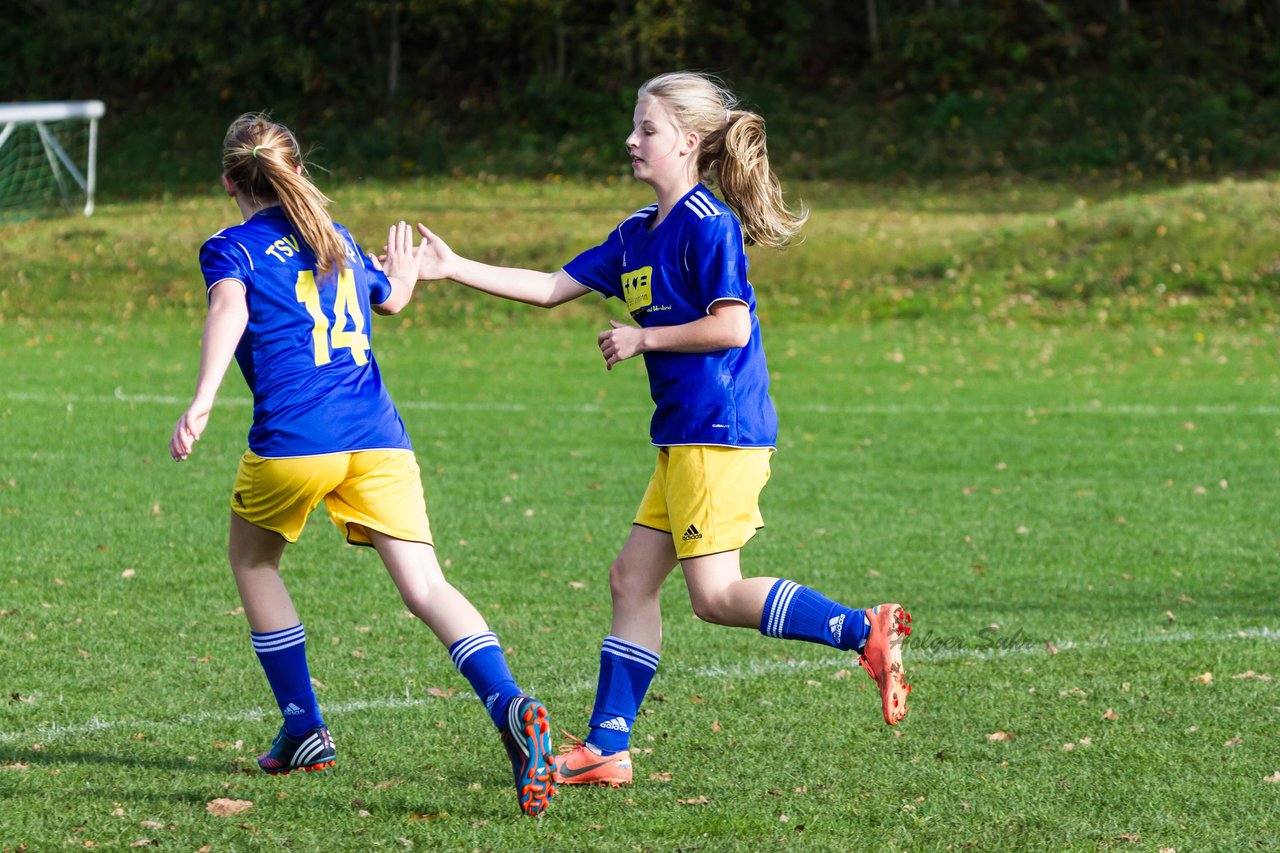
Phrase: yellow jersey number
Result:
[348,331]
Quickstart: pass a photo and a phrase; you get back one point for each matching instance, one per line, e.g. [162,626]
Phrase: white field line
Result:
[1090,408]
[49,732]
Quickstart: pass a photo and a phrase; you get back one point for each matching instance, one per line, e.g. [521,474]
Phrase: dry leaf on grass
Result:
[1252,674]
[428,815]
[443,694]
[1000,735]
[696,801]
[1235,741]
[1274,778]
[660,777]
[1110,715]
[223,807]
[1204,678]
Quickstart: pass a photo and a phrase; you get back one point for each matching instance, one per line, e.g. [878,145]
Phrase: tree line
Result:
[455,67]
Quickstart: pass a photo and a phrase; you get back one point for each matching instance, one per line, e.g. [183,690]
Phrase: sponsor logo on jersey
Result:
[637,289]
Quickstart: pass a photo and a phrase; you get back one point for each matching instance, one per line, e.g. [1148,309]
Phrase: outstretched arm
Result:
[228,317]
[726,326]
[544,289]
[401,266]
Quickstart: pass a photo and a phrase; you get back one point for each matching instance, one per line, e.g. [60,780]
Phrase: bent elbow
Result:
[739,335]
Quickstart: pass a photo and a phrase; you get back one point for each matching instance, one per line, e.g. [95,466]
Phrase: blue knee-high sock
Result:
[480,660]
[795,612]
[626,670]
[283,655]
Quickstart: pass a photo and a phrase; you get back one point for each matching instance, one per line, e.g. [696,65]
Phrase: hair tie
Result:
[255,151]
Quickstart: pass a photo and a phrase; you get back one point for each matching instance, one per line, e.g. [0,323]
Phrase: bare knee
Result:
[421,597]
[627,585]
[711,607]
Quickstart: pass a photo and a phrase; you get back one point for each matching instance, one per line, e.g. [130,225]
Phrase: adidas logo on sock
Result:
[292,710]
[691,534]
[617,724]
[837,626]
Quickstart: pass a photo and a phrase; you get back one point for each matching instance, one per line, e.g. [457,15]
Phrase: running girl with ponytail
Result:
[680,267]
[290,295]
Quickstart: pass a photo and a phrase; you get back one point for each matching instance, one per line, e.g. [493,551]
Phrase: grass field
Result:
[1074,490]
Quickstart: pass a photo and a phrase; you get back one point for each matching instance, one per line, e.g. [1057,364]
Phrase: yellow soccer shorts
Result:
[706,497]
[367,490]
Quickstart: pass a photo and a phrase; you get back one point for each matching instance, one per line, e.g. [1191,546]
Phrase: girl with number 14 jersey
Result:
[290,295]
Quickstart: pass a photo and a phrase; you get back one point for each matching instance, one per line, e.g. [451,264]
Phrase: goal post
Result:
[34,156]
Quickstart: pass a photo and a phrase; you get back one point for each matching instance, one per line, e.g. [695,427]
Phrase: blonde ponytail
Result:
[264,162]
[733,154]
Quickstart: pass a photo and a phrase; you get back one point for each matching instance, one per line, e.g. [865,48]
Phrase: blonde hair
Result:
[733,154]
[262,159]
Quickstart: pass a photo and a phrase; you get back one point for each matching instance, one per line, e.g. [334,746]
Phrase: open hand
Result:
[400,259]
[437,260]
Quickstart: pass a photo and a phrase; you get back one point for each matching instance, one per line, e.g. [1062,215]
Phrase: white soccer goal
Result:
[45,148]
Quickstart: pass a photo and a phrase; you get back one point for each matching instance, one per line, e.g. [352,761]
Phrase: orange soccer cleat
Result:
[578,764]
[882,657]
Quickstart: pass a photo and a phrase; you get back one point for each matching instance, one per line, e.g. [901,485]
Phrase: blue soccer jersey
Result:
[671,275]
[306,352]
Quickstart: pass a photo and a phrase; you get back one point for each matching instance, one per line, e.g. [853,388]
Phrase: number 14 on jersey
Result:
[348,331]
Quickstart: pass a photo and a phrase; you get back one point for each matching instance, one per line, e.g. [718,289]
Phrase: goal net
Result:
[48,156]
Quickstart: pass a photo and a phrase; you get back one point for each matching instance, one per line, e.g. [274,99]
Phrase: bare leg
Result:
[719,593]
[255,561]
[417,575]
[635,582]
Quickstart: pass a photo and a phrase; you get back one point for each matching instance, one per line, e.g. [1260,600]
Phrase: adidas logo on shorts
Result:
[691,534]
[837,626]
[617,724]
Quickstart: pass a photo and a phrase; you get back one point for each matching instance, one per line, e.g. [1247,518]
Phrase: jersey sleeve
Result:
[379,284]
[600,268]
[716,258]
[222,258]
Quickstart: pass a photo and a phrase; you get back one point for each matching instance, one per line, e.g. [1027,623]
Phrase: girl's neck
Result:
[249,210]
[669,195]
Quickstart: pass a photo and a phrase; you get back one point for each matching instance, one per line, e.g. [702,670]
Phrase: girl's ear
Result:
[691,140]
[228,186]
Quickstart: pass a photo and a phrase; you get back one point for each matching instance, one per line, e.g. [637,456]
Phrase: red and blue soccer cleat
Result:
[527,739]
